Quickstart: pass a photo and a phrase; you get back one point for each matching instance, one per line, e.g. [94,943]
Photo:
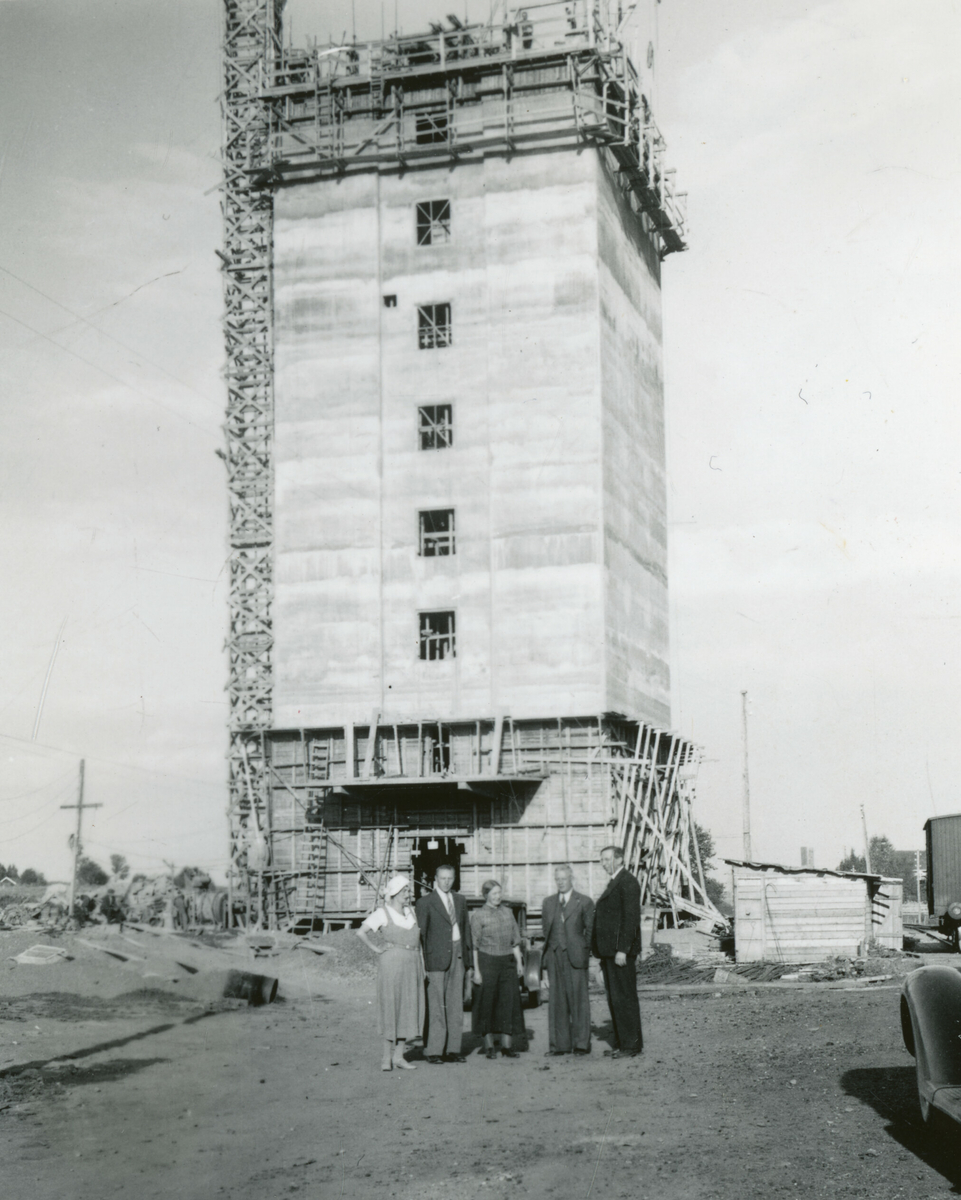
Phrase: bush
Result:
[91,873]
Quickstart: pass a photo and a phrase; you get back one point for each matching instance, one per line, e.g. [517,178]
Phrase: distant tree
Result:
[10,872]
[32,876]
[712,885]
[715,892]
[119,867]
[885,860]
[91,873]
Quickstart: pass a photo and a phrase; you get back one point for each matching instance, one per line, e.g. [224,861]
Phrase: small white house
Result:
[805,914]
[6,881]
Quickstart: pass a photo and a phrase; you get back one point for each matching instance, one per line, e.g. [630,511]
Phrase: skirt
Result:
[400,994]
[498,1001]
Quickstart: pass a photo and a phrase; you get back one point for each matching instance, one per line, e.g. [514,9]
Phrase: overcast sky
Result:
[811,367]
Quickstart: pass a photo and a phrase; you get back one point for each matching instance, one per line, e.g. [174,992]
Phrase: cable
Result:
[33,791]
[40,746]
[109,336]
[109,375]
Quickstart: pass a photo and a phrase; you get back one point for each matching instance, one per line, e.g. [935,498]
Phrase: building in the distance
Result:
[449,615]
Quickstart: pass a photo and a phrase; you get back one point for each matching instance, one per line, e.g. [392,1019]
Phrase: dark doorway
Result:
[427,854]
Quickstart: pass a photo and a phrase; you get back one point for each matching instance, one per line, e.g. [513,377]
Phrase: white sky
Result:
[811,370]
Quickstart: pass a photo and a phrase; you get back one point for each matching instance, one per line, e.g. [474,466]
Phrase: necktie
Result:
[563,902]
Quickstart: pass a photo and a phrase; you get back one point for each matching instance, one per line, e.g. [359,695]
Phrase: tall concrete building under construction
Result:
[449,619]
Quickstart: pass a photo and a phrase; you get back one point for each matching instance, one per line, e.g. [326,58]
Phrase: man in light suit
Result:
[445,934]
[617,943]
[567,920]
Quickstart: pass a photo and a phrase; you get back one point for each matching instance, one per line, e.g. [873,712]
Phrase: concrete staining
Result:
[556,473]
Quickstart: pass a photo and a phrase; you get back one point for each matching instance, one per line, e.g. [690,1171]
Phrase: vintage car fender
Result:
[931,1028]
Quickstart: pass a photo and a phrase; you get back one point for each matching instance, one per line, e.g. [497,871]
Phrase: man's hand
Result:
[620,959]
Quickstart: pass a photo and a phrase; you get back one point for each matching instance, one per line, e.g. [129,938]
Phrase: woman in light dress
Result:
[400,971]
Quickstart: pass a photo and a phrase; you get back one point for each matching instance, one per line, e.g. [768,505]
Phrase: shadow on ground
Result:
[892,1093]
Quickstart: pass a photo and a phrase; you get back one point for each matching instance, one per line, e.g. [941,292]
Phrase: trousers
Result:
[568,1005]
[445,1007]
[621,986]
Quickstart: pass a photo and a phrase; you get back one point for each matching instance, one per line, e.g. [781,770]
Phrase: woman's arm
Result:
[519,960]
[362,934]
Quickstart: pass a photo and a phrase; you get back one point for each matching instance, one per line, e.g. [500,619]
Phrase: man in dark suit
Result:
[445,934]
[567,919]
[617,943]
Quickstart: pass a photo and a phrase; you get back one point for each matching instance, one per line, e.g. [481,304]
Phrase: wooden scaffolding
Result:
[343,808]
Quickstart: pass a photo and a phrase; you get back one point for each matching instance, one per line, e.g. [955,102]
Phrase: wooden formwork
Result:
[343,808]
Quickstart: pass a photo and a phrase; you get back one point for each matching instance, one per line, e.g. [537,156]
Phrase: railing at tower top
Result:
[551,74]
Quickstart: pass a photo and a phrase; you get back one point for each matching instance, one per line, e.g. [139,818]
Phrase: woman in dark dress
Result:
[497,966]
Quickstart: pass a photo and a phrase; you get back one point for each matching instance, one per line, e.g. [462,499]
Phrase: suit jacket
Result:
[436,930]
[578,921]
[617,918]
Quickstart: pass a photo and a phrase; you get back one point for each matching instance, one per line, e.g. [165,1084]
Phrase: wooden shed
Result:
[803,914]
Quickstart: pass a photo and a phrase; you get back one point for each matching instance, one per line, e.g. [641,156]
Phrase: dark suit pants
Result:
[569,1005]
[621,985]
[445,1007]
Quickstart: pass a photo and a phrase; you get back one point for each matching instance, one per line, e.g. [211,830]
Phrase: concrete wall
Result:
[556,472]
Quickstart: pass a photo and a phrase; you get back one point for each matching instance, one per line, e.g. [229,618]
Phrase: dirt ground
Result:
[741,1091]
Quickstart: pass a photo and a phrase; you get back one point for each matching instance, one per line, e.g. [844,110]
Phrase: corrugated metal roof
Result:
[783,870]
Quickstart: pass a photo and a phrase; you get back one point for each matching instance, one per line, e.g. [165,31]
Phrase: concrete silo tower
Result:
[449,626]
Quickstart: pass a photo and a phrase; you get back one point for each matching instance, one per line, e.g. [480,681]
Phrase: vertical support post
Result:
[867,842]
[746,802]
[77,842]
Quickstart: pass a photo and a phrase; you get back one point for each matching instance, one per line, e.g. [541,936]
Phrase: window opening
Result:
[433,326]
[433,222]
[437,635]
[435,424]
[437,533]
[390,302]
[431,128]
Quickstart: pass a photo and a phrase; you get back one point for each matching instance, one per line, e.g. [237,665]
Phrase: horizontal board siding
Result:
[798,918]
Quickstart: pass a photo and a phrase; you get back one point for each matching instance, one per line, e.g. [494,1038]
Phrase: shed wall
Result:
[798,918]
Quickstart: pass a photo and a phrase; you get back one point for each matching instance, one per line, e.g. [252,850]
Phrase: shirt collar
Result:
[566,896]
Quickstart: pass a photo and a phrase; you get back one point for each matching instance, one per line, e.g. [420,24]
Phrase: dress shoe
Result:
[625,1053]
[492,1053]
[578,1050]
[434,1058]
[555,1053]
[455,1058]
[509,1052]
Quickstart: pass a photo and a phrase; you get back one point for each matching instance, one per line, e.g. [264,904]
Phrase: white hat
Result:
[395,884]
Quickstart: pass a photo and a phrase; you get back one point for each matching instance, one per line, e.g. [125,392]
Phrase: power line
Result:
[28,745]
[109,375]
[123,345]
[33,791]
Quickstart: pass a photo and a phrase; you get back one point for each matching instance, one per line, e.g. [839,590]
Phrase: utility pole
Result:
[79,806]
[746,805]
[867,844]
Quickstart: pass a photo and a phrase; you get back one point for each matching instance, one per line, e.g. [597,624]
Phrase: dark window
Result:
[435,424]
[431,128]
[433,326]
[390,302]
[436,533]
[437,635]
[433,222]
